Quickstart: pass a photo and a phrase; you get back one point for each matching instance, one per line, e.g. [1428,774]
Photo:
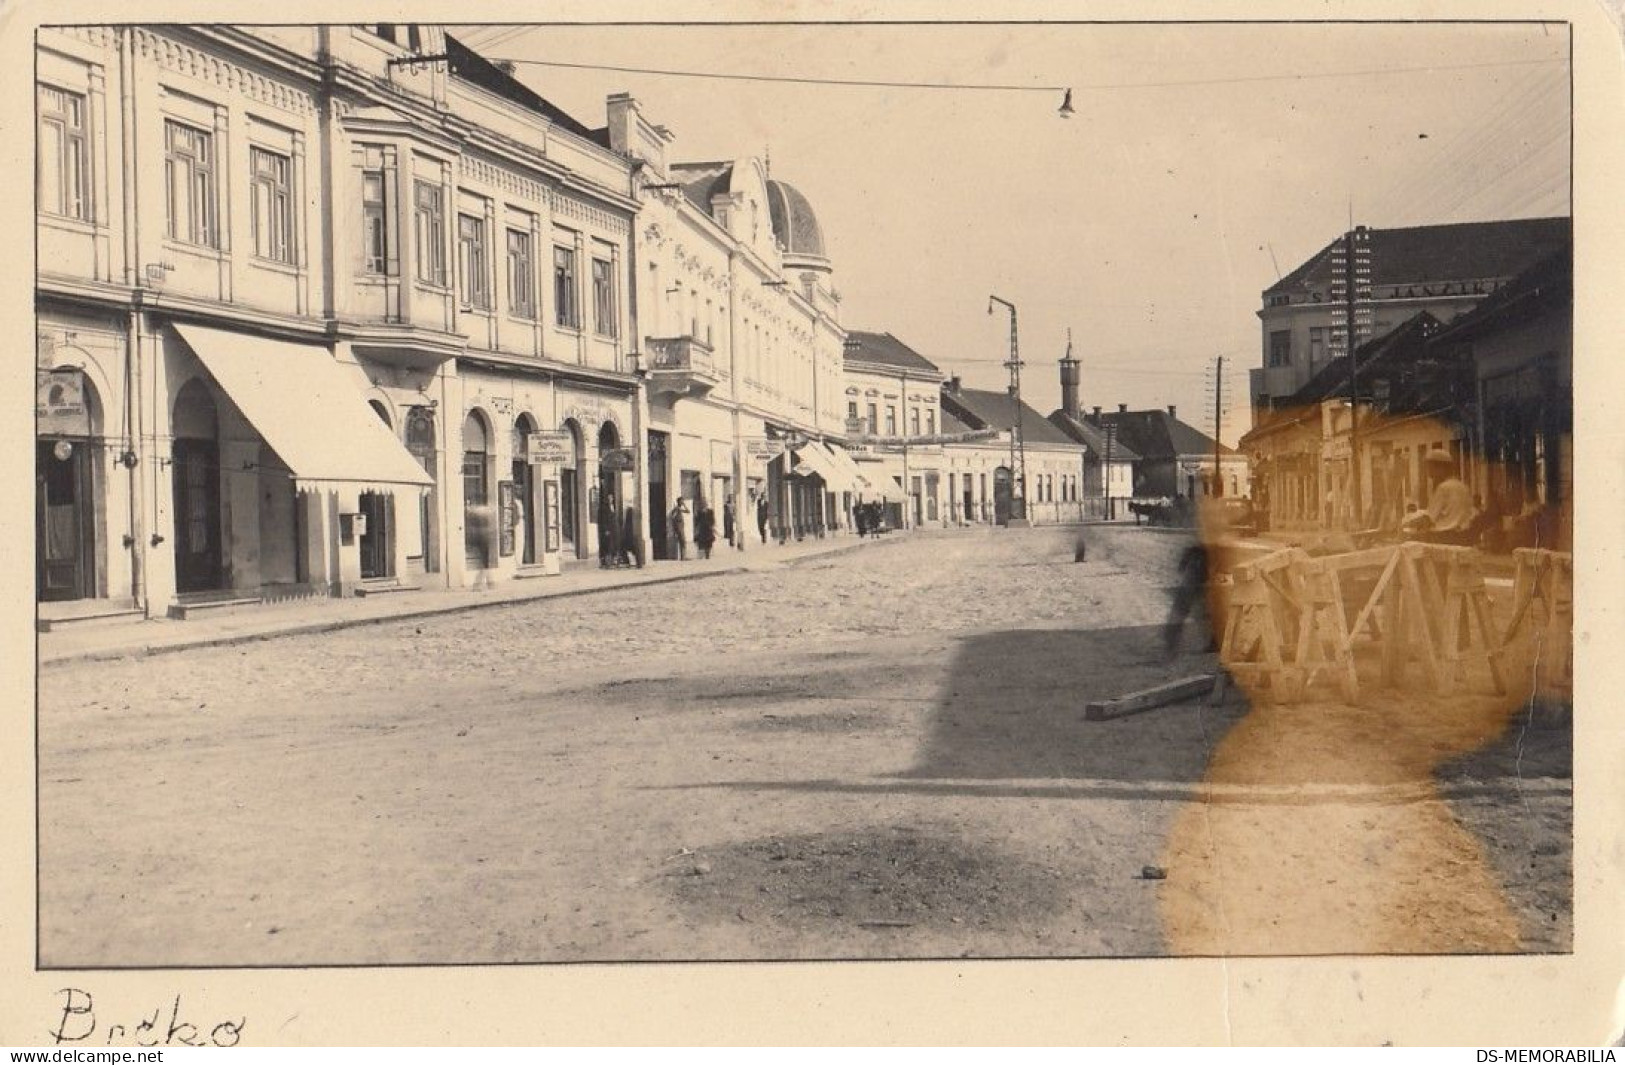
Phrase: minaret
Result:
[1069,381]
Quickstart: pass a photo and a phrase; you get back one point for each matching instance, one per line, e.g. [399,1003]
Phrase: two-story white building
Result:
[321,310]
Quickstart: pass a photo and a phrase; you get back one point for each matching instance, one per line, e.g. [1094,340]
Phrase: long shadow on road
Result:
[1012,709]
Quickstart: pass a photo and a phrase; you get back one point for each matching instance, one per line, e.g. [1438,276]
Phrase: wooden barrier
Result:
[1288,620]
[1541,629]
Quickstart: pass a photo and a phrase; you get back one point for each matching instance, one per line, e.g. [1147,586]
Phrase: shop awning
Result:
[308,410]
[852,478]
[812,458]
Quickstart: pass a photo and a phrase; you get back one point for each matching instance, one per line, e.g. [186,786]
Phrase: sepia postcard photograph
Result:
[545,491]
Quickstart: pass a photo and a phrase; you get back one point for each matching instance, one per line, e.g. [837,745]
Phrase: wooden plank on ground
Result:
[1132,703]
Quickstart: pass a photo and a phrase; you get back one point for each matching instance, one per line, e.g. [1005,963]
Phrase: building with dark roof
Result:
[1444,270]
[1175,459]
[893,421]
[979,471]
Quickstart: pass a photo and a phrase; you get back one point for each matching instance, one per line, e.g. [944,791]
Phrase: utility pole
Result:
[1218,418]
[1351,286]
[1018,443]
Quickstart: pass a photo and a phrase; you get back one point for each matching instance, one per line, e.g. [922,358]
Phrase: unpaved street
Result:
[874,754]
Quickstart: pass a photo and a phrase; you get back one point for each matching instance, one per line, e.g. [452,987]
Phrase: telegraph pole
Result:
[1218,418]
[1018,442]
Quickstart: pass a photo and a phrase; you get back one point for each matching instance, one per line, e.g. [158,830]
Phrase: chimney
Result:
[1097,412]
[953,384]
[633,136]
[1122,408]
[1172,413]
[1069,385]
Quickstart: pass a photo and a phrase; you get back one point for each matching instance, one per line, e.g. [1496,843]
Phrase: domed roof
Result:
[794,222]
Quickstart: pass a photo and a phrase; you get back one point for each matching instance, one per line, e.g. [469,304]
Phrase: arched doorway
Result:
[196,478]
[65,487]
[608,514]
[420,442]
[524,487]
[479,525]
[570,494]
[378,542]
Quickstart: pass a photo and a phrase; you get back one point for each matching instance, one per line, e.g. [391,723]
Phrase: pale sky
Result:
[1146,223]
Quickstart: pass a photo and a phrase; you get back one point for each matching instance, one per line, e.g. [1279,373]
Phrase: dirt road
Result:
[879,754]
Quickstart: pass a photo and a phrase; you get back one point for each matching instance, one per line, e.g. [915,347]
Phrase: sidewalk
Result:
[268,621]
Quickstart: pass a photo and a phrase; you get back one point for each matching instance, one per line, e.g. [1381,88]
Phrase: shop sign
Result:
[762,450]
[617,458]
[553,447]
[59,394]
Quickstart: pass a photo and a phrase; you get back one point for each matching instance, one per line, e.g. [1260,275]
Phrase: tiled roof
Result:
[1156,434]
[984,409]
[1400,344]
[469,65]
[1091,436]
[1547,282]
[1465,251]
[952,425]
[701,181]
[887,350]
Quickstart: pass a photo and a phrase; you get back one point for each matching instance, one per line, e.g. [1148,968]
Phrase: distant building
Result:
[894,425]
[1444,270]
[1108,463]
[980,470]
[1175,460]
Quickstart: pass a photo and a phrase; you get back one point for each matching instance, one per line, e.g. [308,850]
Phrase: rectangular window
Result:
[521,275]
[63,174]
[189,181]
[472,262]
[603,299]
[429,230]
[565,311]
[914,421]
[852,410]
[1280,347]
[269,212]
[1317,344]
[891,420]
[374,223]
[874,421]
[930,423]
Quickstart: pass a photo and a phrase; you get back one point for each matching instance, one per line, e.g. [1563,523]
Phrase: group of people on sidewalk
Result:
[705,526]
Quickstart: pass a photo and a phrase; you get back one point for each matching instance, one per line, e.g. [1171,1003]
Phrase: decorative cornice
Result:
[182,58]
[503,178]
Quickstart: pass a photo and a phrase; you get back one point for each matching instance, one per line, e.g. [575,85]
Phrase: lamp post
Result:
[1018,443]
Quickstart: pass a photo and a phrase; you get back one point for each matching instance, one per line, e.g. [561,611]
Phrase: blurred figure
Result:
[728,526]
[705,528]
[1450,517]
[678,521]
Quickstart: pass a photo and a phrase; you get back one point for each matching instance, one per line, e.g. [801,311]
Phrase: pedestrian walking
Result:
[761,516]
[677,520]
[705,529]
[609,532]
[728,521]
[860,519]
[482,534]
[631,542]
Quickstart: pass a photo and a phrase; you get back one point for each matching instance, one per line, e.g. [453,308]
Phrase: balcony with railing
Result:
[682,366]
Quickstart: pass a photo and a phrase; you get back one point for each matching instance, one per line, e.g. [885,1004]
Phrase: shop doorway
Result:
[377,543]
[196,476]
[570,494]
[65,520]
[524,488]
[421,444]
[479,524]
[1001,495]
[658,503]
